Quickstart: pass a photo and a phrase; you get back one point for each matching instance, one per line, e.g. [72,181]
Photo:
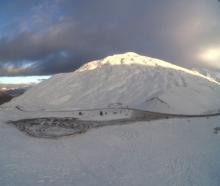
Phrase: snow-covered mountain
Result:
[178,151]
[126,79]
[215,74]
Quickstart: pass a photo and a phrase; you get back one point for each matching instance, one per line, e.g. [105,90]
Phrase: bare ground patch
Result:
[53,127]
[216,130]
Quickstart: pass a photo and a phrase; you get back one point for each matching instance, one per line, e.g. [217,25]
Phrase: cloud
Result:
[210,56]
[16,69]
[61,36]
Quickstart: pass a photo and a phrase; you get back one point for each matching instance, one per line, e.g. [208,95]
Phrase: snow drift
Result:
[126,80]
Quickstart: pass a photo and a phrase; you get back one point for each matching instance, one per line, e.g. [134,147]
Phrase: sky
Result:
[44,37]
[22,79]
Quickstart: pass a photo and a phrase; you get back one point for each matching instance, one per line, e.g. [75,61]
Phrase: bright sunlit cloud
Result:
[210,56]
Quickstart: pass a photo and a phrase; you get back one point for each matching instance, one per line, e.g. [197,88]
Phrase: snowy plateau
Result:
[139,121]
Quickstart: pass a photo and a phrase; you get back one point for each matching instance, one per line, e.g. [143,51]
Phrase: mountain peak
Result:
[128,54]
[128,58]
[132,58]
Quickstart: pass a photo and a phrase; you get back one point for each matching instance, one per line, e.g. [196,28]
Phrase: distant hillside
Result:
[15,86]
[7,94]
[4,97]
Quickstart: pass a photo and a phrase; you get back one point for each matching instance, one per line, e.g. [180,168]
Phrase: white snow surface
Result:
[167,152]
[130,80]
[214,74]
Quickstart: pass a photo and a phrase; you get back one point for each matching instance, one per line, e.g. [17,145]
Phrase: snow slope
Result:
[167,152]
[215,74]
[127,79]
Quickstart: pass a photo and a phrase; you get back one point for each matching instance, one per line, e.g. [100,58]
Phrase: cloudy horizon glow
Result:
[43,37]
[22,79]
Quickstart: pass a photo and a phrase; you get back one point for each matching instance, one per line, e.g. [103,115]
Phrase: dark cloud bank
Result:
[62,35]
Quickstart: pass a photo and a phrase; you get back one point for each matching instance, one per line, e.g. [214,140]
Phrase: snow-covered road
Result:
[80,121]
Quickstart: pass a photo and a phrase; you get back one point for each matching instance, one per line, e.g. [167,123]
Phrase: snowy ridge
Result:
[214,74]
[126,80]
[131,58]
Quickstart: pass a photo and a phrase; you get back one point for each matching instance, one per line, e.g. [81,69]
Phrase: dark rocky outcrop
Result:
[4,97]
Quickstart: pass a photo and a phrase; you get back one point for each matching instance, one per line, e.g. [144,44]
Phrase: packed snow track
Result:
[55,127]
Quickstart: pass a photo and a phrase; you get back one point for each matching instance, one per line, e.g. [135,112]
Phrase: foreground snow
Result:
[165,152]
